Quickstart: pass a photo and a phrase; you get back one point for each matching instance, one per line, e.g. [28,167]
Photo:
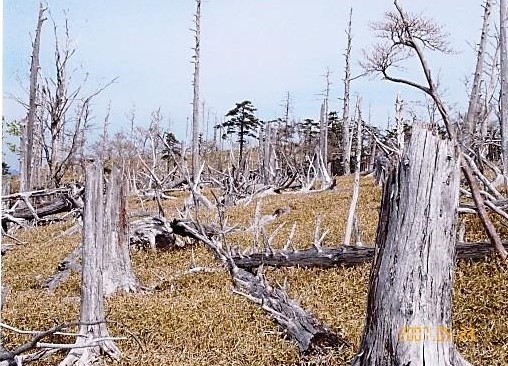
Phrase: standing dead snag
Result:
[346,140]
[352,217]
[503,41]
[195,101]
[117,271]
[27,138]
[412,275]
[92,293]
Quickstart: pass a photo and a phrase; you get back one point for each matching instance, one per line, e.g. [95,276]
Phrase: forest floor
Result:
[195,319]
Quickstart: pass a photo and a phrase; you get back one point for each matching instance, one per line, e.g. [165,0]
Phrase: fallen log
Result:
[58,205]
[311,336]
[345,256]
[36,205]
[154,233]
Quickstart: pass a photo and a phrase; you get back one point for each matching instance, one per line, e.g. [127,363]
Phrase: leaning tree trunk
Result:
[117,273]
[412,275]
[92,295]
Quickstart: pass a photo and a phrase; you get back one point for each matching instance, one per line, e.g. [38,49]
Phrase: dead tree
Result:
[341,256]
[503,41]
[92,292]
[310,335]
[117,270]
[474,107]
[346,141]
[27,139]
[323,119]
[195,101]
[407,35]
[415,251]
[58,98]
[356,183]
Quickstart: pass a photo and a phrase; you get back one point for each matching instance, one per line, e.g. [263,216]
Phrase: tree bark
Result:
[27,159]
[503,39]
[356,184]
[346,144]
[474,107]
[195,102]
[92,313]
[117,269]
[412,275]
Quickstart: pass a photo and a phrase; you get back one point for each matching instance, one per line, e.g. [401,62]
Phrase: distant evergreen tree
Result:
[5,168]
[243,123]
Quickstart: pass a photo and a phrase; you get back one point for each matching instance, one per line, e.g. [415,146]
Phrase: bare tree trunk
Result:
[322,127]
[474,107]
[92,296]
[117,269]
[27,159]
[503,39]
[195,102]
[412,275]
[346,141]
[323,136]
[399,120]
[356,184]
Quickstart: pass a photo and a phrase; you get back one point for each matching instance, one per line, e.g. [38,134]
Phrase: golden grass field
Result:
[195,319]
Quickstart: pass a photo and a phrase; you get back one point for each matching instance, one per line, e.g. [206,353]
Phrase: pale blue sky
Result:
[256,50]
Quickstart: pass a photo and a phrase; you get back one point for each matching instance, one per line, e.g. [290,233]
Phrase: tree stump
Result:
[117,269]
[410,296]
[92,294]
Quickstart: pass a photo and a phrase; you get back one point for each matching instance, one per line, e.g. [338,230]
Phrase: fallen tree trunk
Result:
[56,206]
[310,335]
[343,256]
[35,205]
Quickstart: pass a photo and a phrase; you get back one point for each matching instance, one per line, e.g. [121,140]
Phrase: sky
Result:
[250,50]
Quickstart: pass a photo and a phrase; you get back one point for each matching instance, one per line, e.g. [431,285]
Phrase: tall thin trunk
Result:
[346,141]
[474,107]
[409,310]
[503,39]
[195,102]
[356,183]
[324,122]
[27,160]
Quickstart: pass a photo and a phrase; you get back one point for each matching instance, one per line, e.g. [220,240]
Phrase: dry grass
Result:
[196,320]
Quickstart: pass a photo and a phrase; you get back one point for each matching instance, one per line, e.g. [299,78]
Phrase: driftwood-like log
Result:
[310,335]
[343,256]
[56,206]
[154,233]
[36,205]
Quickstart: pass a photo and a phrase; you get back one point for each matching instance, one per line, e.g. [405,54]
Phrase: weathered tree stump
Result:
[412,275]
[117,271]
[92,293]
